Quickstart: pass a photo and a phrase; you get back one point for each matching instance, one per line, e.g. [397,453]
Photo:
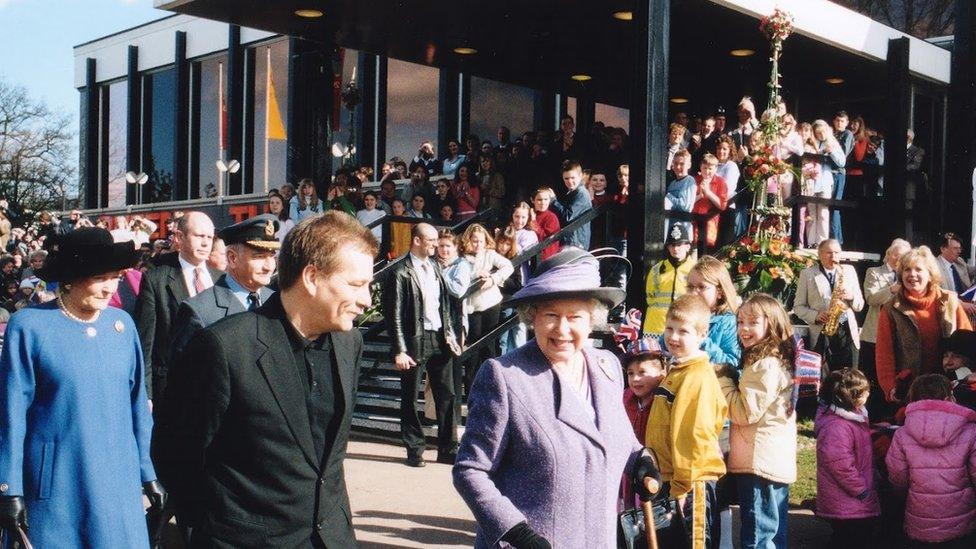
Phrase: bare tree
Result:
[37,164]
[920,18]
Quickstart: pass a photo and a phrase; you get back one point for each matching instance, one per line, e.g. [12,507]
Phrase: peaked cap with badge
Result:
[258,232]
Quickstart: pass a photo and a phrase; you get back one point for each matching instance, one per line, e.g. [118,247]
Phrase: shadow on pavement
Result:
[374,457]
[432,530]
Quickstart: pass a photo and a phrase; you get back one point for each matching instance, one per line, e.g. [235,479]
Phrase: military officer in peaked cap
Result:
[251,262]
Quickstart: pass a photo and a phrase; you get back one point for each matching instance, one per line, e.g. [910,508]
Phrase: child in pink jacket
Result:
[846,493]
[934,457]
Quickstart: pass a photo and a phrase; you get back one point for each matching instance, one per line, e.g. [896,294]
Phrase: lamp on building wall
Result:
[138,179]
[225,169]
[351,96]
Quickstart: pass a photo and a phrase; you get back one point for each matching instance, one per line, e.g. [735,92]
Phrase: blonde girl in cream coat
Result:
[763,435]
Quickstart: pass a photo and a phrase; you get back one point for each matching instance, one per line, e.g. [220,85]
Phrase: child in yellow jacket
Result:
[687,416]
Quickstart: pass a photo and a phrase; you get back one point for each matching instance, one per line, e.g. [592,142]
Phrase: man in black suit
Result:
[251,247]
[417,310]
[251,436]
[174,278]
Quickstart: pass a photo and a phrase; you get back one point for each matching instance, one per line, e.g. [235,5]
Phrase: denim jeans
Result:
[764,510]
[835,227]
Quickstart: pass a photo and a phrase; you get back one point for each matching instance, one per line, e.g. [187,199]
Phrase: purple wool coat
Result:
[531,451]
[934,457]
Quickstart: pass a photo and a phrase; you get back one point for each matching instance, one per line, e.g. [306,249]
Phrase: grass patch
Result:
[805,486]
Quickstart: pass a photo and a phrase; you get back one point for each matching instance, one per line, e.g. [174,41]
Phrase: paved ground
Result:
[398,506]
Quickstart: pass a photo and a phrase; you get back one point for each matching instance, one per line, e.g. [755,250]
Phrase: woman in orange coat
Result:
[914,325]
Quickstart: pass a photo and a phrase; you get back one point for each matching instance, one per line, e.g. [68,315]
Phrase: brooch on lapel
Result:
[607,367]
[119,327]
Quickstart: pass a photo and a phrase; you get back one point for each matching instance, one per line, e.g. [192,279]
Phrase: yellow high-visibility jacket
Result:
[687,416]
[664,283]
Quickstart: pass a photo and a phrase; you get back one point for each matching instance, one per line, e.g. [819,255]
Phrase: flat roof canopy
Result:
[542,43]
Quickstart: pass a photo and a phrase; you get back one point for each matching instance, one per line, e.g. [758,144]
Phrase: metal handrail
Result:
[517,261]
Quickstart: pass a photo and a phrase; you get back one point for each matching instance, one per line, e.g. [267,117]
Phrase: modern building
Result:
[261,83]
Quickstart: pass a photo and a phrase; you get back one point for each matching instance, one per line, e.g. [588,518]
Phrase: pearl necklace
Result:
[67,313]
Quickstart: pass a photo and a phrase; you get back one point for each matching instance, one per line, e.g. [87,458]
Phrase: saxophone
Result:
[836,307]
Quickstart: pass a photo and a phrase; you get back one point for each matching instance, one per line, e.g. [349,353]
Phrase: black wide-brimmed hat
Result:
[85,252]
[571,273]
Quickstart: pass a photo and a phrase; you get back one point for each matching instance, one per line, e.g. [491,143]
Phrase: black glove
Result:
[156,494]
[645,467]
[523,537]
[13,513]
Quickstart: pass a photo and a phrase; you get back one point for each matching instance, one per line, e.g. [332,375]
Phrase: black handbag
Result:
[630,523]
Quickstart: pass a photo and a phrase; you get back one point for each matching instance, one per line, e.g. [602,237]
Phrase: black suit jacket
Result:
[203,310]
[233,442]
[160,294]
[404,311]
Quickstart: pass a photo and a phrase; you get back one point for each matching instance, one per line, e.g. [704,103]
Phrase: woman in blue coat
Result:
[547,438]
[75,423]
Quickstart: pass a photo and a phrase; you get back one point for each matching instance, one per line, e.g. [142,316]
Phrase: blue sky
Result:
[38,37]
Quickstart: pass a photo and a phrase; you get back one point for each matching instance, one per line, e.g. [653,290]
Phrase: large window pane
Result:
[117,141]
[411,108]
[210,139]
[613,117]
[270,147]
[495,104]
[158,115]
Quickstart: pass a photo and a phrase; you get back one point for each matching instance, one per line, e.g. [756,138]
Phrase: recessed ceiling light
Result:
[835,80]
[581,77]
[623,15]
[679,100]
[309,14]
[465,51]
[744,52]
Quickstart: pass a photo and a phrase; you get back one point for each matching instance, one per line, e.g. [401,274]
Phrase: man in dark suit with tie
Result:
[175,278]
[417,310]
[251,248]
[251,436]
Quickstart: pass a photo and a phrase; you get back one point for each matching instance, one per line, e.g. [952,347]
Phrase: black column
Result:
[133,141]
[382,67]
[897,107]
[235,107]
[648,137]
[310,100]
[543,109]
[448,108]
[181,137]
[961,120]
[88,134]
[585,116]
[247,162]
[465,107]
[365,117]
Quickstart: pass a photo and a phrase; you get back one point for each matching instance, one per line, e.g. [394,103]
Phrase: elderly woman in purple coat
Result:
[547,437]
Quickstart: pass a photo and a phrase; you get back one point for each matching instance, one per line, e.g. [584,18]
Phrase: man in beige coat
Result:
[813,295]
[880,284]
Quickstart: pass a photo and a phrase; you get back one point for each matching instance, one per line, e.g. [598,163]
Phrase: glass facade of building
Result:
[411,107]
[269,145]
[208,125]
[159,129]
[495,104]
[114,99]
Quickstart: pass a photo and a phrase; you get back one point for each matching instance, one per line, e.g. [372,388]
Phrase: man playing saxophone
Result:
[827,296]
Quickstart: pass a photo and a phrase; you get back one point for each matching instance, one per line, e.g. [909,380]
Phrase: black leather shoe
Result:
[447,457]
[416,460]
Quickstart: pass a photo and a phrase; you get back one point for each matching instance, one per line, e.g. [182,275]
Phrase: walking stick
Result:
[648,508]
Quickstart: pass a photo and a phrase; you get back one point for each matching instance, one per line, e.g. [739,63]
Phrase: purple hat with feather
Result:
[571,273]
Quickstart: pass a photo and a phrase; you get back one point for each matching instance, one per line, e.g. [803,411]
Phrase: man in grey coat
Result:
[251,248]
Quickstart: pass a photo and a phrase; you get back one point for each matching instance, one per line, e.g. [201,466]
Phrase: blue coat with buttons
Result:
[75,428]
